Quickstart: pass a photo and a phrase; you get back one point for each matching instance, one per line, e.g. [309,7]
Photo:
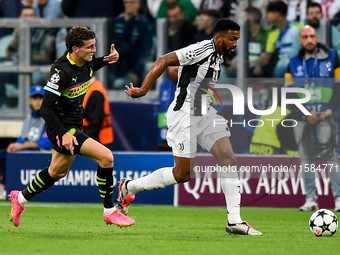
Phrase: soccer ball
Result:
[323,222]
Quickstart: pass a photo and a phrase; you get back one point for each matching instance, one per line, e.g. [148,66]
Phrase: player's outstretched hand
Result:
[68,141]
[113,57]
[133,92]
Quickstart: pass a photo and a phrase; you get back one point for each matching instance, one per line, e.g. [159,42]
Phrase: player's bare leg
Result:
[60,164]
[230,183]
[103,156]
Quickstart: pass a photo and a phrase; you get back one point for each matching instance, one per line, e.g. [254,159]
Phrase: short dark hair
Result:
[255,13]
[77,35]
[211,13]
[314,4]
[278,6]
[225,25]
[173,5]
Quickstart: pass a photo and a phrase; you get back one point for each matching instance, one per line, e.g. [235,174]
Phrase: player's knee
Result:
[59,173]
[232,160]
[107,159]
[229,160]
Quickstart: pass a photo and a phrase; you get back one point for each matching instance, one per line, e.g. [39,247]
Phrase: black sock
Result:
[41,182]
[105,184]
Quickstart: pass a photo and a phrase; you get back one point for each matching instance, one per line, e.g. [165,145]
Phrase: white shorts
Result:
[185,131]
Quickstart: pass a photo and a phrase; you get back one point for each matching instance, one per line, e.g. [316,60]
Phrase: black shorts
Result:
[56,140]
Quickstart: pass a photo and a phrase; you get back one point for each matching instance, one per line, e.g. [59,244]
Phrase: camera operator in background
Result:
[316,68]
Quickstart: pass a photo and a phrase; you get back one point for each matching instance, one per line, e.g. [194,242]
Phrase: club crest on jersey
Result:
[55,78]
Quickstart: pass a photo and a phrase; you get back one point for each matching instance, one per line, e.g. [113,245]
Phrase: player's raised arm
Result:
[156,70]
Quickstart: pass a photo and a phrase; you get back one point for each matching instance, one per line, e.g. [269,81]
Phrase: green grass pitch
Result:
[80,229]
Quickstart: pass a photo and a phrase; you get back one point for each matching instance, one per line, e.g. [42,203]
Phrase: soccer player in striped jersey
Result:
[199,64]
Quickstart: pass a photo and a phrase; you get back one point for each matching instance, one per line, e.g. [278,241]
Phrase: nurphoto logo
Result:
[238,100]
[204,98]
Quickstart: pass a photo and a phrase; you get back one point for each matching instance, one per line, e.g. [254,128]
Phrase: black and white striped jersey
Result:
[200,64]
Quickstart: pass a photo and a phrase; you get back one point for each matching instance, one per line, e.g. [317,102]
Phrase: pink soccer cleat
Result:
[17,208]
[118,219]
[124,199]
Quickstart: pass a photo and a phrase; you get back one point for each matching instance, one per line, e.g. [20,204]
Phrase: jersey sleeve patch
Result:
[52,85]
[52,90]
[186,57]
[55,83]
[190,55]
[55,78]
[193,53]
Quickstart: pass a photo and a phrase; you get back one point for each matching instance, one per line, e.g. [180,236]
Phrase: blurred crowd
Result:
[274,29]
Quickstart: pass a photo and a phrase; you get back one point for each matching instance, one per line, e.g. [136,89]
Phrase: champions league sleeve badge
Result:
[55,78]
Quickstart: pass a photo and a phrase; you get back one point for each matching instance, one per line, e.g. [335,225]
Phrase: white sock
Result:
[108,211]
[234,218]
[231,190]
[158,179]
[22,200]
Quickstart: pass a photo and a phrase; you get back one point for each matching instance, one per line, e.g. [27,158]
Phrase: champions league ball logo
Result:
[55,78]
[190,55]
[323,222]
